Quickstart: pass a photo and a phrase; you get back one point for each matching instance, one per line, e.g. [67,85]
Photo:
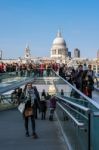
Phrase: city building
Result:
[69,54]
[27,52]
[59,51]
[76,53]
[59,54]
[0,54]
[98,53]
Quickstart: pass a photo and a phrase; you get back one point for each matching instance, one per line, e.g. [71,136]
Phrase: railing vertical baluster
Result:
[89,130]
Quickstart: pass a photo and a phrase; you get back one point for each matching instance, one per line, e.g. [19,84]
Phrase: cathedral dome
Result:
[59,48]
[59,40]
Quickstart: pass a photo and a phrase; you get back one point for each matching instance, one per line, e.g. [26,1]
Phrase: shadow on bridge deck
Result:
[12,133]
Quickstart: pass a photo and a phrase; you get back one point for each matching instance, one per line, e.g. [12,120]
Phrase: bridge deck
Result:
[12,133]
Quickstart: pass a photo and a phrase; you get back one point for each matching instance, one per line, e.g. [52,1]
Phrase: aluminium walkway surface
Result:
[12,133]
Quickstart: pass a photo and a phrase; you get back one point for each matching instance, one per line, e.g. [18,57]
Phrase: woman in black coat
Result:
[43,105]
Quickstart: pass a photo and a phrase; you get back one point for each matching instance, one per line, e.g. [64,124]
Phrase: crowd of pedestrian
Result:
[40,67]
[82,78]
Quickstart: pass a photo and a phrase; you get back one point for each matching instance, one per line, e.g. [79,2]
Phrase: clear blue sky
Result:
[36,22]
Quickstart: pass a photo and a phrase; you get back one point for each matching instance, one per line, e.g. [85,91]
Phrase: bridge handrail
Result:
[11,87]
[80,124]
[76,111]
[74,104]
[14,86]
[5,73]
[87,98]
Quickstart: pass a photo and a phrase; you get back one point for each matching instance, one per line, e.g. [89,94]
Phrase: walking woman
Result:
[29,110]
[43,105]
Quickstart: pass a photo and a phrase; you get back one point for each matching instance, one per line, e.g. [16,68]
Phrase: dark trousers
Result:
[32,123]
[43,115]
[51,113]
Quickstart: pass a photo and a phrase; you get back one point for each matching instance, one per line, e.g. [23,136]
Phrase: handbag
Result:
[28,112]
[21,107]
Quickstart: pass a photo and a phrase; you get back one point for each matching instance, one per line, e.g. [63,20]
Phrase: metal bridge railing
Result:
[75,121]
[72,97]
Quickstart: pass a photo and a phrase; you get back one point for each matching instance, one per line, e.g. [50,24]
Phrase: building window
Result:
[59,51]
[54,51]
[94,69]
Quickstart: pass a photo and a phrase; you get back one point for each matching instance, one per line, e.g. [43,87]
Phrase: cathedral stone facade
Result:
[59,51]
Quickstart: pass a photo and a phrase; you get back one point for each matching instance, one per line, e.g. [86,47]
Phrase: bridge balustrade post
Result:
[89,131]
[94,128]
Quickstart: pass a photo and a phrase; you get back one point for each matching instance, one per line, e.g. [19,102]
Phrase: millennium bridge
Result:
[76,120]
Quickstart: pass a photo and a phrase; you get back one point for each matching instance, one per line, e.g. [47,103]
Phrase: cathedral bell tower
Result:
[27,52]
